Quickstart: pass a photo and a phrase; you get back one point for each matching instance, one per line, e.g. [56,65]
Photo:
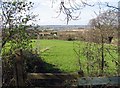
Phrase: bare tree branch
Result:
[71,8]
[107,4]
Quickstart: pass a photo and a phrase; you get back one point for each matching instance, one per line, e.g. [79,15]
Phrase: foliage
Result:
[15,16]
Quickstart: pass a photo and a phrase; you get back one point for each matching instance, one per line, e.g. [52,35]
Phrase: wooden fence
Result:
[54,80]
[64,80]
[60,80]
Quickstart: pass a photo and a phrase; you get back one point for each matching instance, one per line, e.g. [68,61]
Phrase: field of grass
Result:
[61,54]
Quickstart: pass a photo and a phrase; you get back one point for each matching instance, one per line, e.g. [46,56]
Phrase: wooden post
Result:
[19,73]
[38,43]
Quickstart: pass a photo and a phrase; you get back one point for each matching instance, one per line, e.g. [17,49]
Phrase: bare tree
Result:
[70,8]
[106,23]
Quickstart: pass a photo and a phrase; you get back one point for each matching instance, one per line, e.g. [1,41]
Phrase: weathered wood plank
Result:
[98,81]
[83,81]
[58,86]
[51,76]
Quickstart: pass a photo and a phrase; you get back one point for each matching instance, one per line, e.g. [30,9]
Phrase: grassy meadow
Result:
[62,55]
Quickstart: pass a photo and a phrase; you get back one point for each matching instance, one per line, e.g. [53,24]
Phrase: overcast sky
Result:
[47,13]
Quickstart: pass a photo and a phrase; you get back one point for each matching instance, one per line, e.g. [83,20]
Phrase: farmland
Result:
[62,55]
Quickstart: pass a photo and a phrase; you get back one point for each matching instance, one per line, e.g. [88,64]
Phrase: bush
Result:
[70,39]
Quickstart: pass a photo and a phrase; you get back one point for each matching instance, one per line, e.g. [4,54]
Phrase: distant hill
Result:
[63,27]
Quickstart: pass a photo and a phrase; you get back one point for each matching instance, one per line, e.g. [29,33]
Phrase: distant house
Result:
[44,33]
[47,33]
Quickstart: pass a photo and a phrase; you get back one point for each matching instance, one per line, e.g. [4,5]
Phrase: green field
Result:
[61,54]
